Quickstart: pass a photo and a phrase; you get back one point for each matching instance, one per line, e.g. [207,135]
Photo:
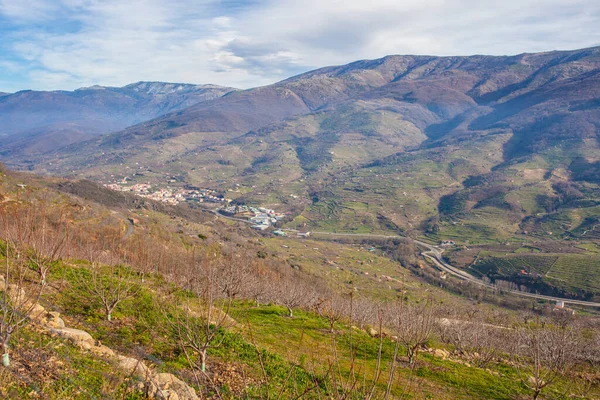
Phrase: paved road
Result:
[434,254]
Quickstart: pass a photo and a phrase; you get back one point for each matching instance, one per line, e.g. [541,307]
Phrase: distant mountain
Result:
[35,122]
[478,147]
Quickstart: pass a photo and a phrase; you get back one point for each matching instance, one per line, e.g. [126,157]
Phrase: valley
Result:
[404,227]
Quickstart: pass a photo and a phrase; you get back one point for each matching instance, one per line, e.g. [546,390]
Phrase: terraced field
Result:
[576,272]
[508,266]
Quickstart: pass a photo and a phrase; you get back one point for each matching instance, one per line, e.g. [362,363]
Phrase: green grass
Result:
[510,265]
[55,369]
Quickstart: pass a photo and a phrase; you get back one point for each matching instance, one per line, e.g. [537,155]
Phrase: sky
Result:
[67,44]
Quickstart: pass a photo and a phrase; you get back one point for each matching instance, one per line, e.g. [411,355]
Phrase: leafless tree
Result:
[334,308]
[108,284]
[40,241]
[256,286]
[474,338]
[16,303]
[363,311]
[412,325]
[292,294]
[544,354]
[198,321]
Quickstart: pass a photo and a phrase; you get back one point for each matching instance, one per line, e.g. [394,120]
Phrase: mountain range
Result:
[34,122]
[471,148]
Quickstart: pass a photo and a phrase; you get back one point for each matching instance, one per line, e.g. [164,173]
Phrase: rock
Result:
[441,353]
[52,319]
[168,387]
[103,351]
[78,337]
[38,312]
[134,366]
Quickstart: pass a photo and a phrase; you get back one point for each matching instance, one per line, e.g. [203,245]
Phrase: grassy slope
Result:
[55,369]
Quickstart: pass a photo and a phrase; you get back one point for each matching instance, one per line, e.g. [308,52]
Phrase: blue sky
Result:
[66,44]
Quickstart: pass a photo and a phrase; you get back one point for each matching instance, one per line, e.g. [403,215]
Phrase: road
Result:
[434,254]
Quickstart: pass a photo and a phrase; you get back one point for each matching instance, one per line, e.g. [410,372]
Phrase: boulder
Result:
[441,353]
[134,366]
[78,337]
[52,319]
[103,351]
[168,387]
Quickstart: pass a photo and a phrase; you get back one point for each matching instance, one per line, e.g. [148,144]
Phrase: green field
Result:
[576,272]
[507,266]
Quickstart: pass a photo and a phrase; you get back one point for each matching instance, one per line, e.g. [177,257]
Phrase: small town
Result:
[169,195]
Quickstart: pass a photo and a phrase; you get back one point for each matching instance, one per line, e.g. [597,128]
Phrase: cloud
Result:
[71,43]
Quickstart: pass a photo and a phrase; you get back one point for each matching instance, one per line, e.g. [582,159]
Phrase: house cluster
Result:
[560,307]
[447,243]
[262,218]
[170,196]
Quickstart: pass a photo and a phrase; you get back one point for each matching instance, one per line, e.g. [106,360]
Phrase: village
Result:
[169,195]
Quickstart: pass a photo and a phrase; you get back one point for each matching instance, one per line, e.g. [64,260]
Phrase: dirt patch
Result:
[534,174]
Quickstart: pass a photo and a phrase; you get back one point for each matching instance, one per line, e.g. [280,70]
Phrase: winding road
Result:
[434,254]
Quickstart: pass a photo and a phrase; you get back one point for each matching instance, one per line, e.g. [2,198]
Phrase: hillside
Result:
[33,122]
[209,309]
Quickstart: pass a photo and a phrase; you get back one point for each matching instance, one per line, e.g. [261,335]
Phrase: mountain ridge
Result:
[37,121]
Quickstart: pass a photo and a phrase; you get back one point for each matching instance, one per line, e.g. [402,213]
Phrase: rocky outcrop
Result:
[79,338]
[168,387]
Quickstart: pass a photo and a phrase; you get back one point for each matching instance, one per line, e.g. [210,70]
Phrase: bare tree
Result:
[412,325]
[40,241]
[333,308]
[107,284]
[291,294]
[363,311]
[256,286]
[475,338]
[198,321]
[16,304]
[544,354]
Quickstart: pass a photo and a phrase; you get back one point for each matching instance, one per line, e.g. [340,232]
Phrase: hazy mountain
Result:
[35,122]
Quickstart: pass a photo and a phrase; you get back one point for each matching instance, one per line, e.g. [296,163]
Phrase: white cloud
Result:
[29,10]
[114,42]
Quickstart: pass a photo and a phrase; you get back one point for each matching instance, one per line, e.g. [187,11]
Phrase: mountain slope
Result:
[35,122]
